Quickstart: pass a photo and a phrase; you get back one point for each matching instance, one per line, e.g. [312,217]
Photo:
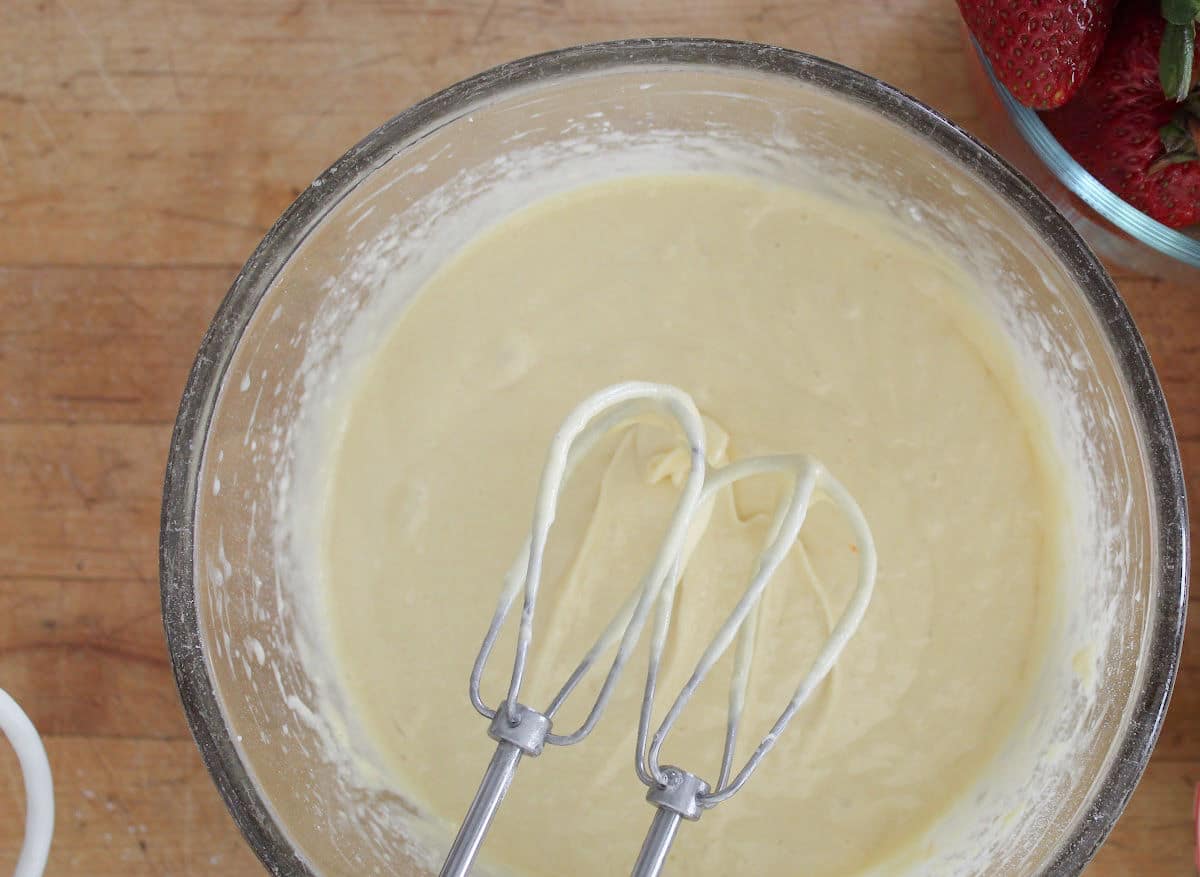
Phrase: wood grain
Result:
[144,149]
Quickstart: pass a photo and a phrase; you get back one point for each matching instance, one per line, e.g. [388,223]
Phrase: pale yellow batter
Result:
[798,325]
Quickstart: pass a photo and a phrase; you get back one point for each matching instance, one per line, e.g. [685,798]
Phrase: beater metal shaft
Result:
[527,737]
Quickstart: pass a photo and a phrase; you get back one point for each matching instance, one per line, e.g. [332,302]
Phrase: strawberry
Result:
[1042,50]
[1127,154]
[1126,132]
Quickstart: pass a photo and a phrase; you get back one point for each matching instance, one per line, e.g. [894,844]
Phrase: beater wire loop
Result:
[809,481]
[591,421]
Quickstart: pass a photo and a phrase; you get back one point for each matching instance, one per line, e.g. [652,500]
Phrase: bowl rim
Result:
[177,571]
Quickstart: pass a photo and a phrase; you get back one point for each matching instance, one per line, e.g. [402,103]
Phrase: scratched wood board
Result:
[144,149]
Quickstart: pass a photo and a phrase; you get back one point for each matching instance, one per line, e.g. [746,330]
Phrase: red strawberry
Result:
[1126,75]
[1123,129]
[1042,50]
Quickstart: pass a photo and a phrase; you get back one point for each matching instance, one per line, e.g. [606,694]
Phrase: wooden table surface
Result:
[145,146]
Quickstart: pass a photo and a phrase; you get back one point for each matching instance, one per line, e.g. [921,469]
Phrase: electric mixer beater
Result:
[676,793]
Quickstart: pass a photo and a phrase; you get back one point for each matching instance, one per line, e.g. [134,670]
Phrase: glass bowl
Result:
[1115,229]
[240,641]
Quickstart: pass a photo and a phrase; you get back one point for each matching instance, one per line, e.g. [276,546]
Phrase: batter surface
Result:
[799,325]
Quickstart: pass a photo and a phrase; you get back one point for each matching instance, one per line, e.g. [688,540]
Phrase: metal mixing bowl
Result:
[229,613]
